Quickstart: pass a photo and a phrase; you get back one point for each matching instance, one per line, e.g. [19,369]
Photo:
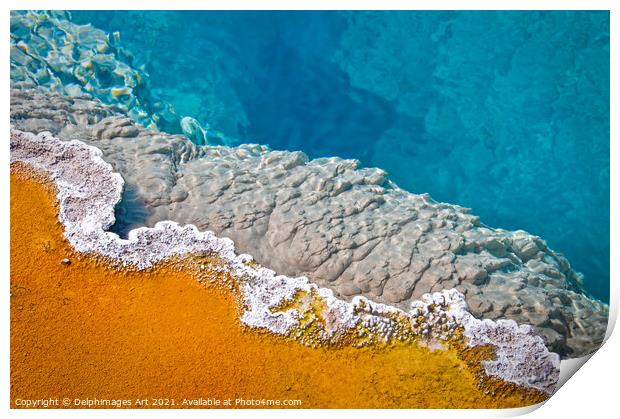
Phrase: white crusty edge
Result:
[88,191]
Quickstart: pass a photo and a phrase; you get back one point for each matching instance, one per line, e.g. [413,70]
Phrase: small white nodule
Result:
[194,131]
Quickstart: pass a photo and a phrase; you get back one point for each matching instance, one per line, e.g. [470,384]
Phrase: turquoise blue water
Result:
[503,112]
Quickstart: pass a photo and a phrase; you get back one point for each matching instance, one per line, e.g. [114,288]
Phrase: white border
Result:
[591,393]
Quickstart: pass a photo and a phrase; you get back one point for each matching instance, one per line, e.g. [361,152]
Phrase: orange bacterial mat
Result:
[85,334]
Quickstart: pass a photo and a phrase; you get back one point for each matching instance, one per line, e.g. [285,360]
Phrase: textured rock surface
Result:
[47,49]
[88,190]
[346,228]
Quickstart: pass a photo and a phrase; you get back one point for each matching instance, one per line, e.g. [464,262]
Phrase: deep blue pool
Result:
[503,112]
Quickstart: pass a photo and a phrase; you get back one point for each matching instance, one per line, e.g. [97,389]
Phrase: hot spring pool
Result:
[503,112]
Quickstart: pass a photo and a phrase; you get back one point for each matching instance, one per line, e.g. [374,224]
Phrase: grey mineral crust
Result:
[88,190]
[346,228]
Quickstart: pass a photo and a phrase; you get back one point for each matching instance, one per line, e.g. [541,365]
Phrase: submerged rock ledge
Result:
[88,191]
[348,229]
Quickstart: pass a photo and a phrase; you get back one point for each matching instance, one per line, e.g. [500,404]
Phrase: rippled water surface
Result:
[503,112]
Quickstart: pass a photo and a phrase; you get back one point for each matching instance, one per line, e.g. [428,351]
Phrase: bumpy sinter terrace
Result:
[347,229]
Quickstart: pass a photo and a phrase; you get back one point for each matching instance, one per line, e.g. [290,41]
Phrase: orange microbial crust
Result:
[82,329]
